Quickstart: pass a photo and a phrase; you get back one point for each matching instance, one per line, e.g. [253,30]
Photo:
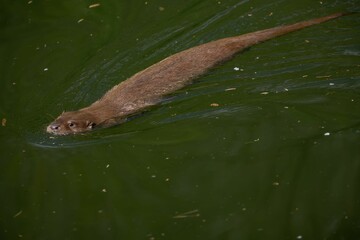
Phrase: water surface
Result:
[277,156]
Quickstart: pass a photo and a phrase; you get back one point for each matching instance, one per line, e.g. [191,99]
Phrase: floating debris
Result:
[236,68]
[3,122]
[256,140]
[161,9]
[230,89]
[189,214]
[80,20]
[214,105]
[94,5]
[323,76]
[46,69]
[18,214]
[264,93]
[327,134]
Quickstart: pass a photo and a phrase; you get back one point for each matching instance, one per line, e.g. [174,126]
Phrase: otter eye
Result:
[71,124]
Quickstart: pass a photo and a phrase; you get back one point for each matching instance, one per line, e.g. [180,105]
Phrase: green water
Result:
[278,158]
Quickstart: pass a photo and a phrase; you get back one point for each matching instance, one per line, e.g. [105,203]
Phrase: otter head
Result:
[72,122]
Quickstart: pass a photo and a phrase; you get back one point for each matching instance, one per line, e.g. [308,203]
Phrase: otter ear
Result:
[90,125]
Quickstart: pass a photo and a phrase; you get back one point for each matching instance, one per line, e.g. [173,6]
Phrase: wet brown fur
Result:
[147,87]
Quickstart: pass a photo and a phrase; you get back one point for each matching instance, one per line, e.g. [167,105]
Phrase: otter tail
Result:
[263,35]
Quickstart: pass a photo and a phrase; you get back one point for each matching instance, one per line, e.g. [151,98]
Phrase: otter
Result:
[149,86]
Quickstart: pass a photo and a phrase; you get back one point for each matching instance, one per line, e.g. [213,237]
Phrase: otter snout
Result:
[53,128]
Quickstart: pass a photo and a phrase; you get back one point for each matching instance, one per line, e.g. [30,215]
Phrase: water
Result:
[277,156]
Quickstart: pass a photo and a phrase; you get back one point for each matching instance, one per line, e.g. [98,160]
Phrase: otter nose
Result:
[54,126]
